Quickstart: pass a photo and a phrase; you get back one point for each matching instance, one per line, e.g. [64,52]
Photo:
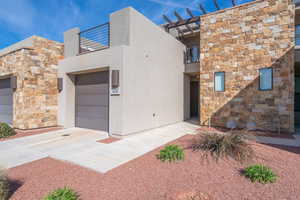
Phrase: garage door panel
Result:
[5,91]
[6,109]
[6,101]
[91,111]
[92,100]
[92,78]
[6,118]
[92,89]
[92,123]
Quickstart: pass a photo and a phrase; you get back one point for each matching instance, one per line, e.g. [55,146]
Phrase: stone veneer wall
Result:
[35,99]
[240,41]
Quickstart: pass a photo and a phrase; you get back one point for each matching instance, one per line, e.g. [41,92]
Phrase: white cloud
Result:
[173,4]
[18,14]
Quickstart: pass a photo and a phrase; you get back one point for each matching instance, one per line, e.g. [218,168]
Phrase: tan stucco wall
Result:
[240,41]
[35,99]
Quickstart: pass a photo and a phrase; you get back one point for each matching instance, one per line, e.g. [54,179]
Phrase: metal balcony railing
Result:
[297,39]
[94,39]
[192,55]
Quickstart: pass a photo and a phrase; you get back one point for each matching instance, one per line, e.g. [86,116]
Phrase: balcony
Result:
[192,55]
[192,60]
[94,39]
[297,3]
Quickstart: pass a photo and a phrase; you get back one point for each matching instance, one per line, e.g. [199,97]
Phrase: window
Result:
[219,81]
[266,79]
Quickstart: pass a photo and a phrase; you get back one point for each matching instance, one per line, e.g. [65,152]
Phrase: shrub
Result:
[4,185]
[62,194]
[6,130]
[224,145]
[171,153]
[260,173]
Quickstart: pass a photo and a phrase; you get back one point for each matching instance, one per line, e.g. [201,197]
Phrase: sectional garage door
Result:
[6,101]
[92,100]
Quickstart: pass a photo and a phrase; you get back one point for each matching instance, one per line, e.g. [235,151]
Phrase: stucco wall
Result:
[240,41]
[151,75]
[35,99]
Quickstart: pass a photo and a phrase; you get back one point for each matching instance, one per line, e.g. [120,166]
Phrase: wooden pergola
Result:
[190,25]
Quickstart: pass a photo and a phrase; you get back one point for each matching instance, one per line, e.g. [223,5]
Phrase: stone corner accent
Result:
[35,99]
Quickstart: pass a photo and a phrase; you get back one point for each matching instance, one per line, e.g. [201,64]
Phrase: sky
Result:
[20,19]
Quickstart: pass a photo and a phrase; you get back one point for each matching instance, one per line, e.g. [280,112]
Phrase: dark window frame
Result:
[223,81]
[272,79]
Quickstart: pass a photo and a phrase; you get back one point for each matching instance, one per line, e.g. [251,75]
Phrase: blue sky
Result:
[20,19]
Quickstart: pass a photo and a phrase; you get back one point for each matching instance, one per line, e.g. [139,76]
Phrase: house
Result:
[235,67]
[28,84]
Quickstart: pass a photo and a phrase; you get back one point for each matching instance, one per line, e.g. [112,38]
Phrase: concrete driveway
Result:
[79,146]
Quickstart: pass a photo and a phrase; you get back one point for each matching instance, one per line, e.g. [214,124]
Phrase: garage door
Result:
[92,100]
[6,101]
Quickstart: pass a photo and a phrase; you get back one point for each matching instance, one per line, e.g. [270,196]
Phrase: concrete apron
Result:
[280,141]
[80,146]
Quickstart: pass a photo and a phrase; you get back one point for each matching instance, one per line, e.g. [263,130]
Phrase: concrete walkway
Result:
[280,141]
[79,146]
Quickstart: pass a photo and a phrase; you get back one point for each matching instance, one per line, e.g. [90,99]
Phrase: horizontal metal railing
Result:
[192,55]
[297,39]
[94,39]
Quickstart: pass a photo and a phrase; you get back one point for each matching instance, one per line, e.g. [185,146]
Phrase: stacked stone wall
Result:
[35,101]
[240,41]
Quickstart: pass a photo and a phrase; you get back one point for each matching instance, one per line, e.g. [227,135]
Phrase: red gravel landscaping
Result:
[146,178]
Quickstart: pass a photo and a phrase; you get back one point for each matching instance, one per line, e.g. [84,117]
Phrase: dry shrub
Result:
[227,145]
[4,185]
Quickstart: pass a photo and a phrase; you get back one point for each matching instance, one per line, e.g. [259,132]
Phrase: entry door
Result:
[6,101]
[92,100]
[194,104]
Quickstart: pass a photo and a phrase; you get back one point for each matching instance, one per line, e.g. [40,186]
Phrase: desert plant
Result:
[219,145]
[4,185]
[6,130]
[171,153]
[260,173]
[62,194]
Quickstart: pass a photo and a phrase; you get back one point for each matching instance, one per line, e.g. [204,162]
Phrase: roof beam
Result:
[216,4]
[181,19]
[233,2]
[170,22]
[182,22]
[189,12]
[202,9]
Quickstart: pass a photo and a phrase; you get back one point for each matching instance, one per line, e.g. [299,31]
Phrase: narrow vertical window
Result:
[195,54]
[266,79]
[219,81]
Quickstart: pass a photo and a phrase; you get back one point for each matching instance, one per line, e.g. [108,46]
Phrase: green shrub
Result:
[4,185]
[62,194]
[171,153]
[260,173]
[224,145]
[6,130]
